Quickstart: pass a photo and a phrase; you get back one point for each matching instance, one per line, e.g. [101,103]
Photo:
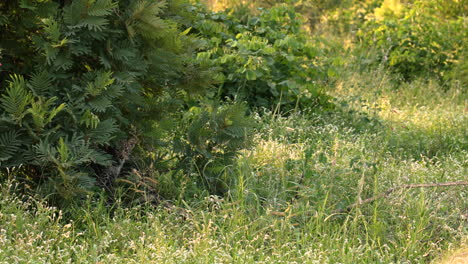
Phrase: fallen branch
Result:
[405,186]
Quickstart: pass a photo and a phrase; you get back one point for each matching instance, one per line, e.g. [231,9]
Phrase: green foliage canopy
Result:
[84,76]
[266,59]
[424,38]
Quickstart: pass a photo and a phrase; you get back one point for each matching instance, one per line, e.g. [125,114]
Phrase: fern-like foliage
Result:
[86,73]
[16,98]
[92,15]
[143,19]
[9,145]
[216,135]
[40,83]
[42,112]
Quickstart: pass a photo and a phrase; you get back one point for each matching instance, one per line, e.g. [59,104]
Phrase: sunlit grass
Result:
[286,193]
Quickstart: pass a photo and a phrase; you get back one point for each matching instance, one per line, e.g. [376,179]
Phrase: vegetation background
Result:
[176,131]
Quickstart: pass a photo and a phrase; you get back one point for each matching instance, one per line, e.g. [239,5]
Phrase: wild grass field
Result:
[287,191]
[233,131]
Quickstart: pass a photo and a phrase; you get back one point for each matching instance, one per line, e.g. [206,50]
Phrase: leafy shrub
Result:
[265,59]
[420,38]
[350,16]
[198,155]
[89,80]
[215,136]
[84,82]
[94,71]
[311,10]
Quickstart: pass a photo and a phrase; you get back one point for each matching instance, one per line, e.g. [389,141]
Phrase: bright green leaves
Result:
[16,99]
[89,119]
[42,112]
[51,42]
[250,54]
[265,59]
[100,83]
[52,30]
[416,42]
[63,151]
[250,75]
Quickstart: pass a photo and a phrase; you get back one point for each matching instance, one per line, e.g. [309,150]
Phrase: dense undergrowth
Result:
[283,194]
[162,132]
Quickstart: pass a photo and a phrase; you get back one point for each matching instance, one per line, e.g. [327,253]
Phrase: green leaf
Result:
[250,75]
[16,98]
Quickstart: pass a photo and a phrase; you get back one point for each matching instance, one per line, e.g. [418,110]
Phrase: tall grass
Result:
[286,193]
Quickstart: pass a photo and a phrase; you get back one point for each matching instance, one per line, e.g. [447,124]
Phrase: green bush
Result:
[350,16]
[85,78]
[97,79]
[311,10]
[265,59]
[425,38]
[215,136]
[84,82]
